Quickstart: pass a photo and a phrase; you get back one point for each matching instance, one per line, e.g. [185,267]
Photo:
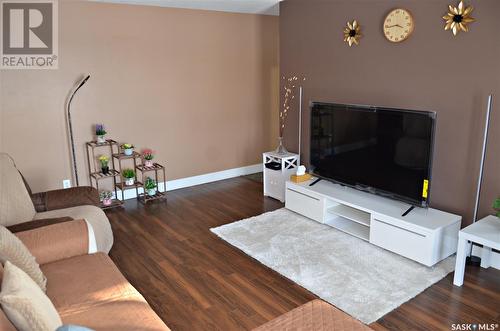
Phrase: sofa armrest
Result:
[59,241]
[60,199]
[38,223]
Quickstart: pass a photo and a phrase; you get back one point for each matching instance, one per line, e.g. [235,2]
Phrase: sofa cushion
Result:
[12,249]
[5,324]
[57,241]
[125,315]
[83,281]
[15,202]
[71,197]
[39,223]
[25,304]
[92,214]
[89,290]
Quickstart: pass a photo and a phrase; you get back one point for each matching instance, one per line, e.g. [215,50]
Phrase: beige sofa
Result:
[86,289]
[22,210]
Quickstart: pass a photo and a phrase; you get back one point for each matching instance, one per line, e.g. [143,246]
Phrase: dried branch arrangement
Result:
[289,93]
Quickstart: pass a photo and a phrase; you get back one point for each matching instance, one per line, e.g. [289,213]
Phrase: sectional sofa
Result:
[70,237]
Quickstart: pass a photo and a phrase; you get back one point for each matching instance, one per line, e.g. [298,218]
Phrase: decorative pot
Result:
[129,181]
[281,149]
[151,191]
[107,202]
[148,163]
[105,170]
[128,151]
[101,139]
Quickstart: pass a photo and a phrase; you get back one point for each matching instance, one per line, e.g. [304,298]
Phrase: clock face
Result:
[398,25]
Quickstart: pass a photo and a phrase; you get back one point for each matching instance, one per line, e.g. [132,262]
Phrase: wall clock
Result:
[398,25]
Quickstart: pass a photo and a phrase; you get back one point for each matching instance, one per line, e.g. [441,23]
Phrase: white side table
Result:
[275,180]
[485,232]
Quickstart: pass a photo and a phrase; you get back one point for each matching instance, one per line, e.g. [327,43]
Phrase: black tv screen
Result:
[380,150]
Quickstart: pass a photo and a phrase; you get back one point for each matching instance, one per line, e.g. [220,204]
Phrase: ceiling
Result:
[266,7]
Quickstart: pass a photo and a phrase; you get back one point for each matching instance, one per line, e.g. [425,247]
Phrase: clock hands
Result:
[391,26]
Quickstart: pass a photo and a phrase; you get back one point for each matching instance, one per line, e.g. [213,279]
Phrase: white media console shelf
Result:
[424,235]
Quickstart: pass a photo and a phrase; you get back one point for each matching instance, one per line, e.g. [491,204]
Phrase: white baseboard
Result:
[200,179]
[494,259]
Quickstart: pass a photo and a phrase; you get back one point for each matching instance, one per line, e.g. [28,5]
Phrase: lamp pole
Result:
[475,260]
[70,128]
[300,121]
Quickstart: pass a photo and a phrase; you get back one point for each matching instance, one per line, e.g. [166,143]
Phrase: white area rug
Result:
[363,280]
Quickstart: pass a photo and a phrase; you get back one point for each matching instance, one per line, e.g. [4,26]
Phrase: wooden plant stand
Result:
[157,168]
[115,171]
[96,175]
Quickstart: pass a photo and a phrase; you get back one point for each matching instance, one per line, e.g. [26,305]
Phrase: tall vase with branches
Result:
[289,92]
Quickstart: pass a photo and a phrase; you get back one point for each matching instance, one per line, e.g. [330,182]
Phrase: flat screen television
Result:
[380,150]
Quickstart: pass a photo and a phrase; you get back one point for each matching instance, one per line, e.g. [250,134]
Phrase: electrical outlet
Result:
[67,183]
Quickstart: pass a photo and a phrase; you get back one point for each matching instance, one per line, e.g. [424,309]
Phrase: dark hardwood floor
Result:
[195,281]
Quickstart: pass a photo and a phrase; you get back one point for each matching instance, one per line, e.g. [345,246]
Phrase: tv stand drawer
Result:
[305,204]
[410,244]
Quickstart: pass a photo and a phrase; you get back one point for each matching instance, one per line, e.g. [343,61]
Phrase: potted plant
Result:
[129,175]
[496,206]
[100,133]
[106,197]
[128,149]
[148,156]
[104,160]
[150,186]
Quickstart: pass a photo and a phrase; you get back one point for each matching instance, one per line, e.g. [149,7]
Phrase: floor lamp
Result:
[70,127]
[301,91]
[475,260]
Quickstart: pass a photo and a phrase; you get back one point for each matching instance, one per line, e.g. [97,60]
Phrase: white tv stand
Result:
[424,235]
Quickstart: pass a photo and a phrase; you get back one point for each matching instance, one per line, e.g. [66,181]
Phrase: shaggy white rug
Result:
[363,280]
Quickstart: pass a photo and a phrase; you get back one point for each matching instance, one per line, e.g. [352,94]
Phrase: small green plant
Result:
[149,183]
[496,206]
[105,195]
[128,173]
[127,146]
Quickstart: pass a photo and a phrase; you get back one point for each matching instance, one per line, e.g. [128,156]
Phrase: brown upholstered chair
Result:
[21,210]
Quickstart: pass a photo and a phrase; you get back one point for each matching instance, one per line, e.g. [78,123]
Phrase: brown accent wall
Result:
[1,116]
[198,87]
[431,71]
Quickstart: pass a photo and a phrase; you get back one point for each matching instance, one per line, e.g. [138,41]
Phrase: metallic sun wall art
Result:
[458,18]
[352,33]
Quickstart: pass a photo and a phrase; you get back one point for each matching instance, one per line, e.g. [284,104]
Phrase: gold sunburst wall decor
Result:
[458,17]
[352,33]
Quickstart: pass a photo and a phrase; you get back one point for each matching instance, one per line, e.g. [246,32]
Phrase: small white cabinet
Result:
[275,179]
[424,235]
